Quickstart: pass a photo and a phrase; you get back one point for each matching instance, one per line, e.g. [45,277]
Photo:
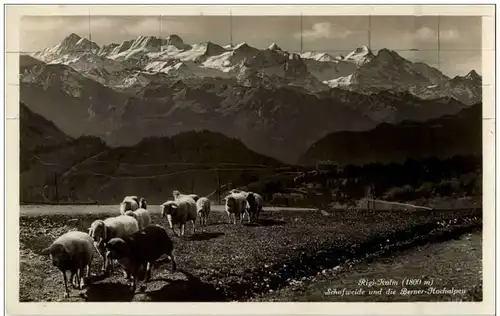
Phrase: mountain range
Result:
[87,169]
[277,103]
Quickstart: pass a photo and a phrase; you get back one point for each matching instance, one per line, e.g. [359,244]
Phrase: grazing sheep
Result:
[102,231]
[143,247]
[236,204]
[180,212]
[178,195]
[73,251]
[142,216]
[203,209]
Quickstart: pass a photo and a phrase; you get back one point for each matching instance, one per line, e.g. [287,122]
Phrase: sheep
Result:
[132,203]
[102,231]
[142,203]
[255,202]
[73,251]
[180,212]
[143,247]
[142,216]
[236,204]
[178,195]
[203,209]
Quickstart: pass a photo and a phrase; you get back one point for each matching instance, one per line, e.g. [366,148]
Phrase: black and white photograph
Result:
[253,158]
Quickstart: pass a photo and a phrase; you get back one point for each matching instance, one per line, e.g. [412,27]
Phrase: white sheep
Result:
[73,251]
[177,195]
[180,212]
[142,216]
[132,203]
[236,204]
[102,231]
[203,209]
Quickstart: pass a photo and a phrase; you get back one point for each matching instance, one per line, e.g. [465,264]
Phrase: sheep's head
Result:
[98,231]
[167,207]
[176,194]
[58,254]
[131,213]
[117,248]
[123,207]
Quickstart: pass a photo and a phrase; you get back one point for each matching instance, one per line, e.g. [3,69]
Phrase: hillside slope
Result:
[441,137]
[85,169]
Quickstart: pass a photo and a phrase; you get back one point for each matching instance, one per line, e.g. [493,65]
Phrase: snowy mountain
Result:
[360,56]
[277,102]
[361,70]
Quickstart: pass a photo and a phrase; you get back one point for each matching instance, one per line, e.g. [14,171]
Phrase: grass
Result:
[224,262]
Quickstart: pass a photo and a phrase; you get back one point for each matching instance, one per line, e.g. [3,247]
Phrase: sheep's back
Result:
[143,217]
[240,202]
[150,243]
[77,242]
[123,225]
[203,204]
[189,205]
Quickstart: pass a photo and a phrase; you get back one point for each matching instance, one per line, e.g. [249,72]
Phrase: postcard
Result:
[329,159]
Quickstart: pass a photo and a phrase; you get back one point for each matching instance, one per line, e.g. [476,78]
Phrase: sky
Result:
[460,36]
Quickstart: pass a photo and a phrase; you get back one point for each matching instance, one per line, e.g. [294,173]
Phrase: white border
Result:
[13,14]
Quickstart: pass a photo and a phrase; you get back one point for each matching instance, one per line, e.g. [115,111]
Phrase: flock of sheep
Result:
[133,241]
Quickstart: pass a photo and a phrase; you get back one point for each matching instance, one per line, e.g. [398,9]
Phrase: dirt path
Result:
[455,266]
[33,210]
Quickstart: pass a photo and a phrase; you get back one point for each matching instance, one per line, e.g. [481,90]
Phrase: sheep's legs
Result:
[79,277]
[103,269]
[174,263]
[66,293]
[229,216]
[149,268]
[72,279]
[182,229]
[194,228]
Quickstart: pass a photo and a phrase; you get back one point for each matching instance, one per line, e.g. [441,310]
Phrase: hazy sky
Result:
[460,37]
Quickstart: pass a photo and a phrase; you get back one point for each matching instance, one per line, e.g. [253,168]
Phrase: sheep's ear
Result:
[45,251]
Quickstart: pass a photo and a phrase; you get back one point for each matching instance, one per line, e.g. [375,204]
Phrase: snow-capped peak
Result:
[274,46]
[473,75]
[318,56]
[176,41]
[71,39]
[360,55]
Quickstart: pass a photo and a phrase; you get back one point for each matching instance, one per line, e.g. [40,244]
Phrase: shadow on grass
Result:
[205,236]
[190,290]
[109,292]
